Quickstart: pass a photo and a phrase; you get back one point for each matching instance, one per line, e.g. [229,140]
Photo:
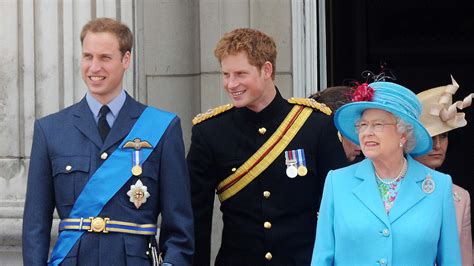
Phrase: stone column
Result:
[170,57]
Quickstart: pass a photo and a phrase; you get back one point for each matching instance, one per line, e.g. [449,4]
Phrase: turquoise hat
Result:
[392,98]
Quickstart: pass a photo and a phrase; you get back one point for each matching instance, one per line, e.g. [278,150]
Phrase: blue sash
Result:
[100,188]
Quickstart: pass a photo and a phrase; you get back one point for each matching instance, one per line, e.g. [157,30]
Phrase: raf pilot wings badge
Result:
[137,144]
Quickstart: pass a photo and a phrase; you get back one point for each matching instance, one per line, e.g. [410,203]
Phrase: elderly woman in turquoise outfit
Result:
[388,209]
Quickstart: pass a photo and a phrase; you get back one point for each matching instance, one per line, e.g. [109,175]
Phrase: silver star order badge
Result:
[138,193]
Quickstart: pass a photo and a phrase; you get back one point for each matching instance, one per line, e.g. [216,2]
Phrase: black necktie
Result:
[104,127]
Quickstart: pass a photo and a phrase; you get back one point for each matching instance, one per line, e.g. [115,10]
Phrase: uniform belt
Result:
[105,225]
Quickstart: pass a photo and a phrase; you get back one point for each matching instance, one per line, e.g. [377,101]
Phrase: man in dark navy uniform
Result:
[266,157]
[75,161]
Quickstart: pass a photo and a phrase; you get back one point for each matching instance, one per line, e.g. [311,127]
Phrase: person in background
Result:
[440,116]
[388,209]
[459,162]
[335,97]
[265,156]
[109,165]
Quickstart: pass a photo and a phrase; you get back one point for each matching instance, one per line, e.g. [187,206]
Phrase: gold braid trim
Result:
[308,102]
[265,155]
[211,113]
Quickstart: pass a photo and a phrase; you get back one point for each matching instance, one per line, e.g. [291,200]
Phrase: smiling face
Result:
[436,156]
[247,85]
[383,144]
[103,65]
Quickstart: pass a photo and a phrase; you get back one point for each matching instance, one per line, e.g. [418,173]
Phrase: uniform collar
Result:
[115,105]
[276,107]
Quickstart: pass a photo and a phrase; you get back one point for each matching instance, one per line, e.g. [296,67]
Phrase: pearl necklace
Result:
[400,175]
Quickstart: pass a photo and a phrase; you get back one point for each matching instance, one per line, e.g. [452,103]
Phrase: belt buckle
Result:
[98,224]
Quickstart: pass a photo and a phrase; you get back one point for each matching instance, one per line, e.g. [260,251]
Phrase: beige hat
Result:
[439,113]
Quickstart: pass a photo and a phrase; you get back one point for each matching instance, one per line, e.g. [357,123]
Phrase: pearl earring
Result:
[401,145]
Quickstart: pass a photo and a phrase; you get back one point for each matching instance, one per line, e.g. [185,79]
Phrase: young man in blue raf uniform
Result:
[110,166]
[266,157]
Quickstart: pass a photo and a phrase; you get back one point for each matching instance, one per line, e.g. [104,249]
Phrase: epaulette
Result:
[309,102]
[211,113]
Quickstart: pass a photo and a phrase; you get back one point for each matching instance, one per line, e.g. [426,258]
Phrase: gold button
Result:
[266,194]
[234,169]
[267,225]
[262,130]
[104,156]
[68,168]
[268,256]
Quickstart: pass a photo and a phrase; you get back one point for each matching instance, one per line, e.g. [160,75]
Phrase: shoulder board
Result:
[309,102]
[211,113]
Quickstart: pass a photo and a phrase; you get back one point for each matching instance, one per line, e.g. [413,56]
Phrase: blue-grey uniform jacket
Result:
[67,150]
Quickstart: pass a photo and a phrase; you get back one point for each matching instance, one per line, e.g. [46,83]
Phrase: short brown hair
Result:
[258,46]
[334,97]
[120,30]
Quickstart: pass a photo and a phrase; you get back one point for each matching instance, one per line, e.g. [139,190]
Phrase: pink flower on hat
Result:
[362,93]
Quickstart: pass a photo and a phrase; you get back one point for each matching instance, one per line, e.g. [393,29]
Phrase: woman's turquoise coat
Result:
[354,229]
